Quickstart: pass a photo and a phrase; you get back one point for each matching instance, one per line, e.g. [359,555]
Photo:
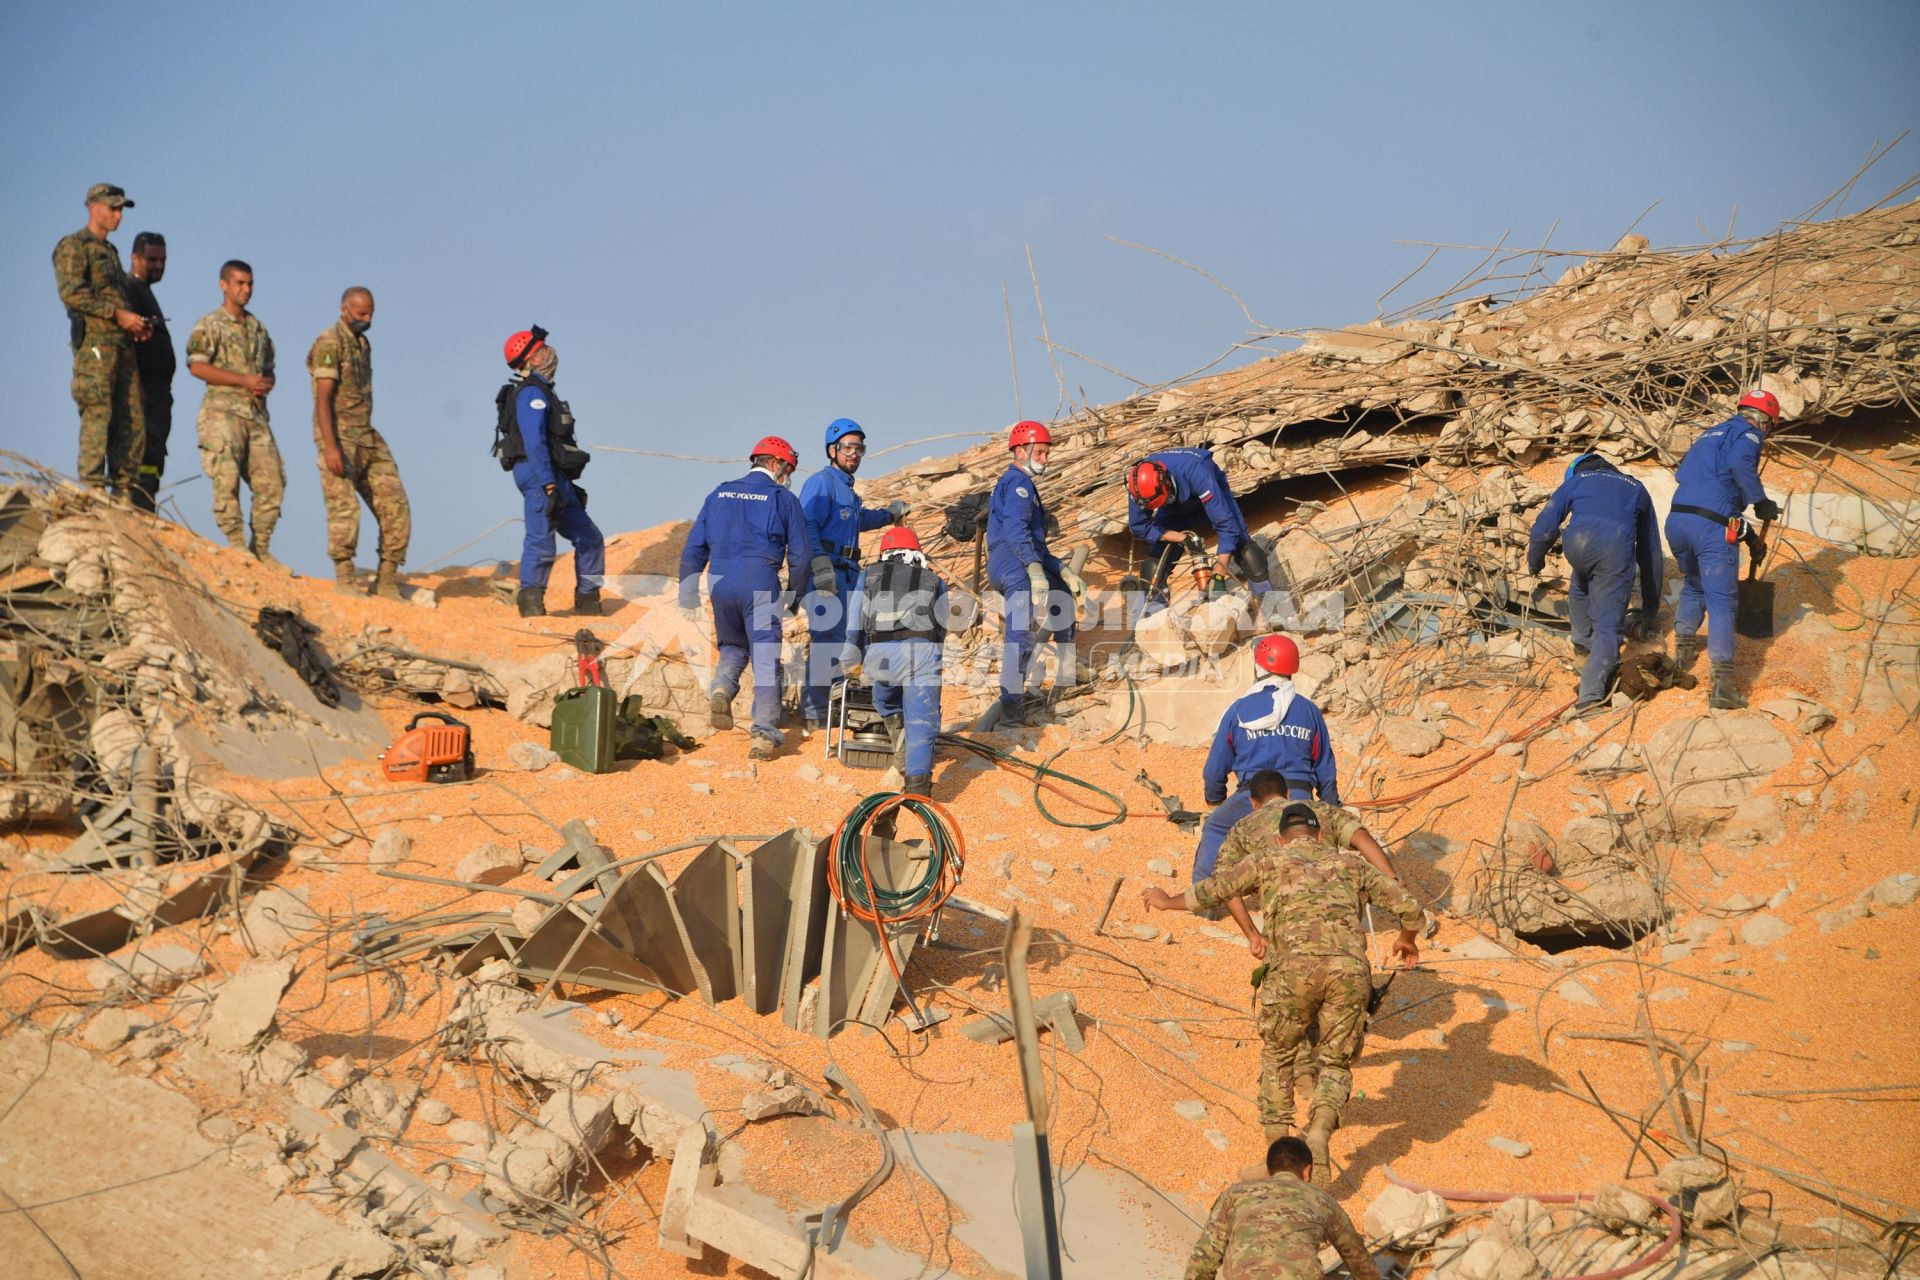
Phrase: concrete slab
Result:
[638,920]
[856,983]
[766,909]
[808,905]
[705,902]
[116,1173]
[595,959]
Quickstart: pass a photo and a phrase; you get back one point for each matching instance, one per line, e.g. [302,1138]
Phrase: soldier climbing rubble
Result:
[1311,894]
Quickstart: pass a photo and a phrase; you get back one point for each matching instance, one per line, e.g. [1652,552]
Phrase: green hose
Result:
[1040,772]
[879,904]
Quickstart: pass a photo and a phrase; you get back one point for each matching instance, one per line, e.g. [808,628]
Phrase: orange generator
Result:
[441,752]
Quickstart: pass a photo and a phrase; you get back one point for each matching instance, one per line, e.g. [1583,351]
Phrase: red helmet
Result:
[1028,432]
[1277,654]
[1765,401]
[775,447]
[1149,484]
[523,345]
[899,538]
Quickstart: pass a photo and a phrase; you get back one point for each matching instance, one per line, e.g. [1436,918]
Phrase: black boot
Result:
[1685,650]
[532,602]
[720,710]
[920,784]
[1723,696]
[586,604]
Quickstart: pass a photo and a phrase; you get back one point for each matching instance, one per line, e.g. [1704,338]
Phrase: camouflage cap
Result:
[108,194]
[1299,813]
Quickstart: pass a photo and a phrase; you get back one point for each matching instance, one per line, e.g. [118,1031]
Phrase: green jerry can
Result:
[583,717]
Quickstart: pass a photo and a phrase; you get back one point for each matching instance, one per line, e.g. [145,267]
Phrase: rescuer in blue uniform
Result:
[1718,480]
[534,438]
[1611,531]
[745,528]
[896,625]
[1178,495]
[1268,727]
[836,520]
[1039,591]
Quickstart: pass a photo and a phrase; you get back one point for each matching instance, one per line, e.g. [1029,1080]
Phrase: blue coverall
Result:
[1016,538]
[905,673]
[1202,502]
[1299,747]
[1721,473]
[744,529]
[836,520]
[533,410]
[1610,529]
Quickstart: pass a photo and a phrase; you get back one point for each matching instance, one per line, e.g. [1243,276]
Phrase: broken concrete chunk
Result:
[108,1029]
[765,1104]
[489,864]
[1689,1173]
[1160,866]
[1487,1258]
[1042,870]
[1508,1146]
[433,1111]
[390,847]
[537,1162]
[1759,930]
[1191,1109]
[150,969]
[1897,890]
[1406,1219]
[1411,738]
[276,919]
[531,756]
[1619,1207]
[244,1009]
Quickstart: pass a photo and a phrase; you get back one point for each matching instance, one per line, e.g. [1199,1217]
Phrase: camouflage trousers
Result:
[1327,994]
[113,424]
[372,476]
[236,447]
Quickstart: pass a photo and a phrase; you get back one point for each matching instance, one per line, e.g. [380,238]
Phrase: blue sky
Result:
[743,219]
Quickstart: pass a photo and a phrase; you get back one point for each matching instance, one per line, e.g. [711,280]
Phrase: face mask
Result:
[1036,468]
[359,326]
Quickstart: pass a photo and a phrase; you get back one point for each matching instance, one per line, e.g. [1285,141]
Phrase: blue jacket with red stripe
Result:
[1298,747]
[1200,492]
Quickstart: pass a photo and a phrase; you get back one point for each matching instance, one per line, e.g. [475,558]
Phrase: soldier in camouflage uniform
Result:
[355,462]
[102,329]
[1318,973]
[230,351]
[1339,827]
[1272,1228]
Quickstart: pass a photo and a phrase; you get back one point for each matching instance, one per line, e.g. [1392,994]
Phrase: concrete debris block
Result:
[1689,1173]
[1191,1109]
[1409,1219]
[1411,738]
[245,1006]
[108,1029]
[1707,765]
[700,788]
[433,1111]
[1759,930]
[1479,948]
[1488,1258]
[490,864]
[275,920]
[1608,757]
[1217,1139]
[1161,640]
[1160,866]
[536,1163]
[1042,870]
[691,1173]
[1717,1204]
[792,1100]
[1841,917]
[1213,627]
[1144,932]
[531,757]
[391,847]
[1508,1146]
[380,1105]
[527,915]
[1618,1208]
[151,969]
[1897,890]
[1573,991]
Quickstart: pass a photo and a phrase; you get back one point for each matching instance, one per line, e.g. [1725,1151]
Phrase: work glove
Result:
[1075,583]
[852,671]
[1642,625]
[1767,509]
[1536,567]
[823,576]
[1037,585]
[898,510]
[553,503]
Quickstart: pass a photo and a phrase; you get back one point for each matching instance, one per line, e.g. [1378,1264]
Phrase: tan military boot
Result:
[259,549]
[345,576]
[1319,1136]
[386,583]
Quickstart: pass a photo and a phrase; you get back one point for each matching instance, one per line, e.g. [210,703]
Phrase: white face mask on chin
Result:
[1036,468]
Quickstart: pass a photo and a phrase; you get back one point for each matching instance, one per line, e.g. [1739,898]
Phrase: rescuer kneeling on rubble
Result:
[1180,495]
[1270,726]
[1273,1227]
[1317,972]
[896,625]
[1610,530]
[1718,479]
